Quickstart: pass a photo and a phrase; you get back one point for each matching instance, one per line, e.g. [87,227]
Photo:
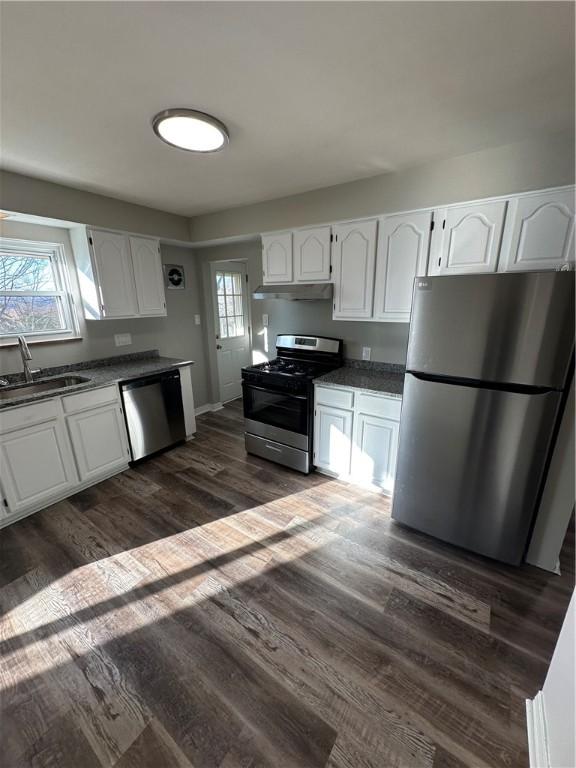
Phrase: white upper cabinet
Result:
[114,273]
[466,238]
[148,276]
[539,232]
[119,275]
[402,255]
[311,249]
[277,257]
[353,258]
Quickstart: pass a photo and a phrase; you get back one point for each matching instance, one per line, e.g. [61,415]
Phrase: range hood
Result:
[296,291]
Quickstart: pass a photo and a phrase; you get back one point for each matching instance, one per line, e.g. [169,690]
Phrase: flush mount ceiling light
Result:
[191,130]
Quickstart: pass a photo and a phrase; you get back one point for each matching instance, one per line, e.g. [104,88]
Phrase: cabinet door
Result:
[37,465]
[353,258]
[277,257]
[148,276]
[539,232]
[375,450]
[115,274]
[402,255]
[466,239]
[312,255]
[333,439]
[99,441]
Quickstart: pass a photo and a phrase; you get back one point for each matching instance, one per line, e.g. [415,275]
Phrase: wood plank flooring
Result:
[208,609]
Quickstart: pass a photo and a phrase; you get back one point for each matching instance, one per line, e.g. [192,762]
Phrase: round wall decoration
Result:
[175,278]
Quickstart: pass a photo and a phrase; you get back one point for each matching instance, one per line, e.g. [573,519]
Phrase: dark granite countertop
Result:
[110,370]
[387,378]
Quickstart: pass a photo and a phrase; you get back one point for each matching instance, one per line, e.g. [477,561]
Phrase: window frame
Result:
[233,296]
[57,254]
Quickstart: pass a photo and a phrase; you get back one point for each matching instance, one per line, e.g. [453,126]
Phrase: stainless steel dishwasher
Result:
[154,413]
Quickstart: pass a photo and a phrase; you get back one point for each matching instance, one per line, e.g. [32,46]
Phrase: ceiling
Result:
[314,94]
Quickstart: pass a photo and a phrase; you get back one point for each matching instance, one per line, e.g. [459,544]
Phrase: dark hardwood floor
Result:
[210,609]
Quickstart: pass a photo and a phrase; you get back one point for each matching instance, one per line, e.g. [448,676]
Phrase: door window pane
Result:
[230,304]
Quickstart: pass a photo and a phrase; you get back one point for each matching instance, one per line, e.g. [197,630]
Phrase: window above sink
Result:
[35,296]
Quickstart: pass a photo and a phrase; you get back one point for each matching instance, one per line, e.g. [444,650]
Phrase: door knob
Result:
[218,346]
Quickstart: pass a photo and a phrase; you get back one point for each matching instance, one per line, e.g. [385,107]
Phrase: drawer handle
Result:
[273,448]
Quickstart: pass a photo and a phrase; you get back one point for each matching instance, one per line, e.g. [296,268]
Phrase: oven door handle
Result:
[275,391]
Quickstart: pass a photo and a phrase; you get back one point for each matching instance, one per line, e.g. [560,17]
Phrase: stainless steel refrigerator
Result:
[489,360]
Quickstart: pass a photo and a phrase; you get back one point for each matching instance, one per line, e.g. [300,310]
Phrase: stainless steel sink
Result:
[42,385]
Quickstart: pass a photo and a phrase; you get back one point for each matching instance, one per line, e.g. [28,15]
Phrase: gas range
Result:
[279,398]
[286,373]
[286,366]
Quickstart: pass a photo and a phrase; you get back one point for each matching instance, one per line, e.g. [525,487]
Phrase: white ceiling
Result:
[314,94]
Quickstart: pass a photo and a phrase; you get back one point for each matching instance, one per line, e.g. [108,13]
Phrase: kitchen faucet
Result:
[26,356]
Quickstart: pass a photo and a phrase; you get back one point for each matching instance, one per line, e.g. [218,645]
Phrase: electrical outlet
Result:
[122,339]
[197,319]
[366,353]
[265,320]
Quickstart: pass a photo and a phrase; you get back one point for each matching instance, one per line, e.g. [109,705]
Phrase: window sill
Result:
[30,340]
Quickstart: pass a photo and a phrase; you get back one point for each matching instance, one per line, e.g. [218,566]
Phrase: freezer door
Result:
[505,328]
[470,464]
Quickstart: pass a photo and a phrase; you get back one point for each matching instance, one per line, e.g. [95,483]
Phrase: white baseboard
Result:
[207,408]
[537,732]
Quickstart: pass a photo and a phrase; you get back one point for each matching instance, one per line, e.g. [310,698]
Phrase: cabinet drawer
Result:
[26,415]
[378,405]
[90,399]
[336,397]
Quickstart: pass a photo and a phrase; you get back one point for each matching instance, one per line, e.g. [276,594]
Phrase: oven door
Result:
[276,415]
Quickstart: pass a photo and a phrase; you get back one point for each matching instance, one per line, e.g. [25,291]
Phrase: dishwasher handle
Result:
[146,381]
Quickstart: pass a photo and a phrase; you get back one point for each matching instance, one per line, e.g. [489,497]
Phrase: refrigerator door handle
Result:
[521,389]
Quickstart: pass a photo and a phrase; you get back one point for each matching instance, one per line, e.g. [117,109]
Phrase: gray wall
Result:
[387,340]
[518,167]
[23,194]
[175,335]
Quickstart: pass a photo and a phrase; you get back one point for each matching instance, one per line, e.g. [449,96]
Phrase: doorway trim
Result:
[209,268]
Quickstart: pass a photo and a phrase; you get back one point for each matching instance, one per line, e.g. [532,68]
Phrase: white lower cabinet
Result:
[375,450]
[37,464]
[96,426]
[99,441]
[333,439]
[51,449]
[356,435]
